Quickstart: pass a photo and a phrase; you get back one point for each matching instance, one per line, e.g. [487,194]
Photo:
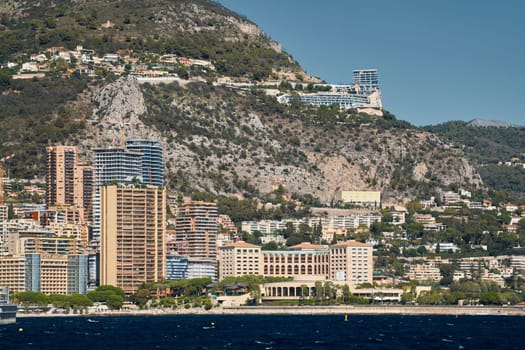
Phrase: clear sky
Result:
[437,60]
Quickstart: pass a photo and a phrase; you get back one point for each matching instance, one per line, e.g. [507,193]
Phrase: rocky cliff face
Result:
[225,142]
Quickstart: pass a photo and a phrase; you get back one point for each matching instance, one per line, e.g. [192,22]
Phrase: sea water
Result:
[265,332]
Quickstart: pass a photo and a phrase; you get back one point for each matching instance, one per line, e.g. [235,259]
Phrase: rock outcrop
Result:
[220,145]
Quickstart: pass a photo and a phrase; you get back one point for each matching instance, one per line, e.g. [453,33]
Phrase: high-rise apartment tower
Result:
[132,240]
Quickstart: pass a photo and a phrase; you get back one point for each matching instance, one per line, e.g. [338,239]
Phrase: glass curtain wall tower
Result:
[152,160]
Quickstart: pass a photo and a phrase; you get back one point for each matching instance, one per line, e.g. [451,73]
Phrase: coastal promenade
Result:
[312,310]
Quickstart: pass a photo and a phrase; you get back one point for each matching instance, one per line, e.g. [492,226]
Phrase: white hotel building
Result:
[329,222]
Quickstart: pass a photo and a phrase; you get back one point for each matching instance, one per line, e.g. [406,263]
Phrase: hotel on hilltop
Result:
[363,94]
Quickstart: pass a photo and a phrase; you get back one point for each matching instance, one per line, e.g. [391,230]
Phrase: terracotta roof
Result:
[306,245]
[350,244]
[241,244]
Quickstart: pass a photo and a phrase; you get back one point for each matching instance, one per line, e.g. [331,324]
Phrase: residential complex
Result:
[139,158]
[363,93]
[68,183]
[327,223]
[46,273]
[152,160]
[132,240]
[196,237]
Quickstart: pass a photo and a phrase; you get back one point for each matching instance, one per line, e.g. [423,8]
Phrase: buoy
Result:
[346,318]
[213,324]
[20,329]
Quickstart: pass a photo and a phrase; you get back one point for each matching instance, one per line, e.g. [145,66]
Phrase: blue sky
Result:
[438,60]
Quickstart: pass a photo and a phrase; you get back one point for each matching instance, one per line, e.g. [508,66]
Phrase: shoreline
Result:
[311,310]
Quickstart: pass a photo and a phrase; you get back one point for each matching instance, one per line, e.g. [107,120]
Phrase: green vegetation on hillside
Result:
[483,144]
[506,178]
[142,27]
[489,146]
[34,113]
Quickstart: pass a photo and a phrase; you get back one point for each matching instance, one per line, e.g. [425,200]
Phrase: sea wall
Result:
[378,310]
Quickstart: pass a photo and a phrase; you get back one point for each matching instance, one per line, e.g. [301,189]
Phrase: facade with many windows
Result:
[152,160]
[68,183]
[346,262]
[364,92]
[238,259]
[46,273]
[195,238]
[302,261]
[132,244]
[351,262]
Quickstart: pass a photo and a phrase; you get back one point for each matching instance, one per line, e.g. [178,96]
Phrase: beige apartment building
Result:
[26,243]
[423,272]
[239,259]
[132,240]
[196,230]
[196,233]
[351,262]
[12,273]
[68,183]
[53,274]
[347,262]
[45,273]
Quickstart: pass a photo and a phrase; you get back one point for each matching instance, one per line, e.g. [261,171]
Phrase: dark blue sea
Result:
[265,332]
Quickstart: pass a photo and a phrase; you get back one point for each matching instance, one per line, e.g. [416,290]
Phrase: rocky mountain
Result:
[229,141]
[233,141]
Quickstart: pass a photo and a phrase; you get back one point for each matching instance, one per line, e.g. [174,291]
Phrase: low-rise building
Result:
[423,272]
[450,197]
[367,198]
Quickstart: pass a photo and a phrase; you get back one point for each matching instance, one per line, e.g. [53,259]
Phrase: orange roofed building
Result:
[347,262]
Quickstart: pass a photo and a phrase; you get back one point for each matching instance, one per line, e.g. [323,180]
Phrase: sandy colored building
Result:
[45,273]
[423,272]
[196,232]
[238,259]
[132,244]
[346,262]
[12,273]
[303,261]
[68,183]
[351,262]
[367,198]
